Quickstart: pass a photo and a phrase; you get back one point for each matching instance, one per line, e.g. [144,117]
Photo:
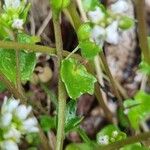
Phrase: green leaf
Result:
[76,78]
[138,110]
[59,4]
[27,61]
[84,31]
[144,67]
[89,49]
[109,134]
[126,23]
[136,146]
[122,118]
[47,123]
[79,146]
[72,120]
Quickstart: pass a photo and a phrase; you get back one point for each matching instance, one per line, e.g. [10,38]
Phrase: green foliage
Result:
[89,49]
[79,146]
[123,120]
[72,120]
[76,78]
[27,61]
[9,14]
[125,23]
[58,5]
[84,31]
[33,139]
[138,109]
[109,134]
[144,67]
[47,123]
[136,146]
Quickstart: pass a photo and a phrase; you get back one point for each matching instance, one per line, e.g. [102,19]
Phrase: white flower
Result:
[6,119]
[120,6]
[115,133]
[22,111]
[9,106]
[12,3]
[30,125]
[104,140]
[96,16]
[112,33]
[17,24]
[98,35]
[15,122]
[9,145]
[13,133]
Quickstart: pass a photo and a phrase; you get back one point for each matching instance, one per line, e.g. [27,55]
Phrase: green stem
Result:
[130,140]
[142,28]
[35,48]
[61,88]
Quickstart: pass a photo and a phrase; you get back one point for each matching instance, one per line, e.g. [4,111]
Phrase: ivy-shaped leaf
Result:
[27,61]
[76,78]
[138,109]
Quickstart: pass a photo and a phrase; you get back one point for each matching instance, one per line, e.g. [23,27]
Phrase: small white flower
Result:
[112,33]
[12,3]
[96,16]
[9,106]
[22,111]
[9,145]
[104,140]
[6,119]
[98,35]
[115,133]
[30,125]
[13,134]
[17,24]
[120,6]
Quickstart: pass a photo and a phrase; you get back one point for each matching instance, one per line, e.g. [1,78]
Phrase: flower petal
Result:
[6,119]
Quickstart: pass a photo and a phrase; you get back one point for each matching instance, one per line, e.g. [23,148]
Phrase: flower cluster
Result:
[108,24]
[13,16]
[15,123]
[111,137]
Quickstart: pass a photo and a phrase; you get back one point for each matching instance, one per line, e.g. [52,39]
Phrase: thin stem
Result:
[129,140]
[75,50]
[35,48]
[61,88]
[18,73]
[74,15]
[142,28]
[104,61]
